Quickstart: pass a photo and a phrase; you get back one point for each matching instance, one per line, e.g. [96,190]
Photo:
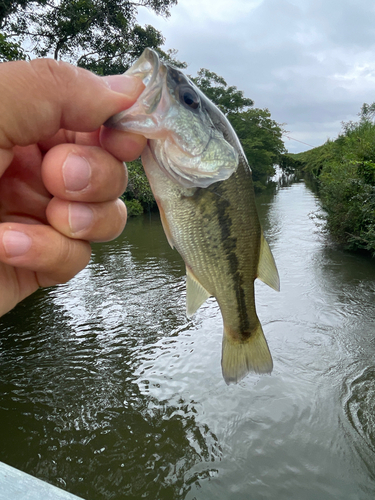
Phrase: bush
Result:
[133,207]
[138,195]
[350,205]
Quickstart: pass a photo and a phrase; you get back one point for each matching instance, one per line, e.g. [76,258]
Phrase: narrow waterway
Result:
[109,391]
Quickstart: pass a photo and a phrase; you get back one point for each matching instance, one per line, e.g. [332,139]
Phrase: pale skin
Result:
[61,172]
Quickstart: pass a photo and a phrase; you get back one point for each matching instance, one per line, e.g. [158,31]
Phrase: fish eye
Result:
[189,98]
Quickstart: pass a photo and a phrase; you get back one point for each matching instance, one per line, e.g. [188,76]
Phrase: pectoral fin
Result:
[239,357]
[195,294]
[267,271]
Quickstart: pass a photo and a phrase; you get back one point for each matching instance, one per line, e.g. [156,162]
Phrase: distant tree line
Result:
[345,171]
[104,37]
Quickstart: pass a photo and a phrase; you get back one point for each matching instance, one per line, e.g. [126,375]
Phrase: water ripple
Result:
[359,410]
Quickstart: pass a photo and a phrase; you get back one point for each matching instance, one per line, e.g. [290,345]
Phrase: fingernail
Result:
[80,217]
[16,243]
[124,84]
[76,172]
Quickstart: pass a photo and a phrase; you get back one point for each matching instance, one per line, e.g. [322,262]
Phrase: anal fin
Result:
[267,271]
[239,357]
[195,293]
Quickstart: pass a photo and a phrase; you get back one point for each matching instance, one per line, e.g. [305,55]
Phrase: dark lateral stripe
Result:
[230,247]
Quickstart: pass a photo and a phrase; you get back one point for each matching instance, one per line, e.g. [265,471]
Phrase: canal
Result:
[107,390]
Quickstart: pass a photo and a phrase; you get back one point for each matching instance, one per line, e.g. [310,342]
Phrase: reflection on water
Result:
[109,391]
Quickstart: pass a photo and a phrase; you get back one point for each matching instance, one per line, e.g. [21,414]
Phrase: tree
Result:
[367,113]
[228,99]
[8,7]
[100,35]
[138,195]
[10,51]
[261,139]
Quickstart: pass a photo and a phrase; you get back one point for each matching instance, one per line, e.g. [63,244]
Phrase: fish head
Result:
[189,137]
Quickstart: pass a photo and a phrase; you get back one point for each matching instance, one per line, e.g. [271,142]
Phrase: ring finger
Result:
[87,221]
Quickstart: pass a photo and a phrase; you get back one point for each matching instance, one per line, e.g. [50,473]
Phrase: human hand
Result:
[61,173]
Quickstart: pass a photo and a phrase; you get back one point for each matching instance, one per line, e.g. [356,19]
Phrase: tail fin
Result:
[240,357]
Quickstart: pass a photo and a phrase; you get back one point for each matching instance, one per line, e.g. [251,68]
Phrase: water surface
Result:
[109,391]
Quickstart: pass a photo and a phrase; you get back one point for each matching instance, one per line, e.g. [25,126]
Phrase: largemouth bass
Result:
[202,184]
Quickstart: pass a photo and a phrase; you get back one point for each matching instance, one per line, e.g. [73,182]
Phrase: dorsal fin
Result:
[267,271]
[195,293]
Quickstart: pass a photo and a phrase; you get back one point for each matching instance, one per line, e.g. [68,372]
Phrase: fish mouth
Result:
[146,67]
[152,72]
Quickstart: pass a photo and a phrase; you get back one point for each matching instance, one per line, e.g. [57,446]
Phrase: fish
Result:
[202,184]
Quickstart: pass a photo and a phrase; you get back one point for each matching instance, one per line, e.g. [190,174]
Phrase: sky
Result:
[310,62]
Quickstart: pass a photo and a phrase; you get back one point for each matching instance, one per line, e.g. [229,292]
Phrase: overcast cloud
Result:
[310,62]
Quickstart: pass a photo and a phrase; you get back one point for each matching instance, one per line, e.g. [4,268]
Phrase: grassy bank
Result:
[345,170]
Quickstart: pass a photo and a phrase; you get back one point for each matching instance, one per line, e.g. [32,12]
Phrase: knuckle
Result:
[55,74]
[72,257]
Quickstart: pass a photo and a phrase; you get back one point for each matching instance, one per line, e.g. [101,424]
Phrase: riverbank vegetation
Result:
[345,171]
[104,37]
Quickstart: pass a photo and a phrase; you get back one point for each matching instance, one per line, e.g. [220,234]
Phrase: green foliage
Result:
[10,51]
[114,56]
[289,163]
[313,161]
[367,112]
[350,205]
[261,139]
[138,195]
[9,7]
[100,35]
[133,207]
[345,169]
[366,170]
[228,99]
